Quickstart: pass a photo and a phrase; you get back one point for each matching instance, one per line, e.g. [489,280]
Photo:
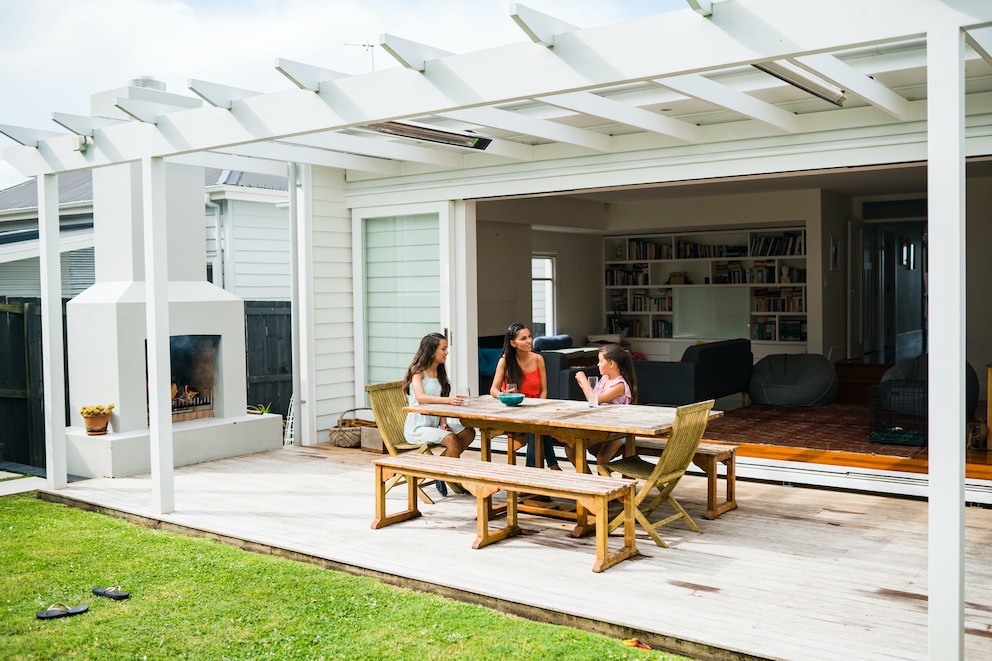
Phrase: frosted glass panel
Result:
[711,313]
[402,291]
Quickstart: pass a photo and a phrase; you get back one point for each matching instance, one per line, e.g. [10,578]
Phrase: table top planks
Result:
[560,414]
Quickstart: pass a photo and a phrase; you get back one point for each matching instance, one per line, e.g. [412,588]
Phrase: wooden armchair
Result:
[388,400]
[690,424]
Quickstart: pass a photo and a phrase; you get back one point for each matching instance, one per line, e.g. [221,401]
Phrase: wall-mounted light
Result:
[797,77]
[415,131]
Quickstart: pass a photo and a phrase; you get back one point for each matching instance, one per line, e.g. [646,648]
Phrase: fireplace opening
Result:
[193,365]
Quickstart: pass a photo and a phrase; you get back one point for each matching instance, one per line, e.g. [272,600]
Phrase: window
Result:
[543,295]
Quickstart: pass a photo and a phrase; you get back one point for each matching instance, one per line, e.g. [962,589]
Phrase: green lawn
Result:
[198,599]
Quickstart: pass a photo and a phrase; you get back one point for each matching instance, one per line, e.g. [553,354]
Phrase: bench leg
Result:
[605,559]
[484,497]
[381,484]
[708,464]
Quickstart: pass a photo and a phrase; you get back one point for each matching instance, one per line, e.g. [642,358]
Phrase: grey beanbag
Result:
[787,379]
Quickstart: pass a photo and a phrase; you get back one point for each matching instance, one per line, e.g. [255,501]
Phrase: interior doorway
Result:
[893,290]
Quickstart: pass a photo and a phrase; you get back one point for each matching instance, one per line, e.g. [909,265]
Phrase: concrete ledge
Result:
[194,442]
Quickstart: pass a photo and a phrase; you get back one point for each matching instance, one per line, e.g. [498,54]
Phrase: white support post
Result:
[464,292]
[52,340]
[294,269]
[946,234]
[157,332]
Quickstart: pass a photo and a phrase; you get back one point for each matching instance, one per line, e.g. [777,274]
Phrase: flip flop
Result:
[60,610]
[441,487]
[113,593]
[633,642]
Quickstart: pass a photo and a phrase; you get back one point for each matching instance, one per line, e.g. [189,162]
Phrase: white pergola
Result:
[679,86]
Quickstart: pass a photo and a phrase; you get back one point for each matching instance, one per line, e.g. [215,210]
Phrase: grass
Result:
[194,598]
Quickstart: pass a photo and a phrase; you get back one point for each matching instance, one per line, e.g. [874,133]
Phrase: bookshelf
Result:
[685,287]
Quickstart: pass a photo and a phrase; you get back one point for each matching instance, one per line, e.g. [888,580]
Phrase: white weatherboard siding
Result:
[327,309]
[259,240]
[23,277]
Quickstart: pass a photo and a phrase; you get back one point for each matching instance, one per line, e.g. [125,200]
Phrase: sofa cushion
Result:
[550,342]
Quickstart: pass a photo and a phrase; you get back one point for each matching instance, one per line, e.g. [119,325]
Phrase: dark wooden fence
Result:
[268,342]
[269,348]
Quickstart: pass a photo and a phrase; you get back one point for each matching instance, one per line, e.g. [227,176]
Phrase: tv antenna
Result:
[369,47]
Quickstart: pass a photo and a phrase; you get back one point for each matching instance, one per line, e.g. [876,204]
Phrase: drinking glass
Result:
[467,394]
[509,387]
[593,395]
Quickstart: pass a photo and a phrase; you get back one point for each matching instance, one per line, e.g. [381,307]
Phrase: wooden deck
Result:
[794,573]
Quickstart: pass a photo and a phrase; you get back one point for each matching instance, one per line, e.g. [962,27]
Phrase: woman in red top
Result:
[521,366]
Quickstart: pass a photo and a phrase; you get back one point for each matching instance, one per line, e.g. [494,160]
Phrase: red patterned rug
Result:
[836,427]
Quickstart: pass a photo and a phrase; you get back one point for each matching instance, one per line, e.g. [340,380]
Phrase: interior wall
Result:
[716,212]
[504,251]
[579,281]
[978,240]
[835,212]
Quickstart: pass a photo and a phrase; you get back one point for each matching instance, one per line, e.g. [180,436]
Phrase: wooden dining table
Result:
[572,422]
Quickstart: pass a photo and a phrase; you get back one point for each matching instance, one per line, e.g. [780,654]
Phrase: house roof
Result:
[77,186]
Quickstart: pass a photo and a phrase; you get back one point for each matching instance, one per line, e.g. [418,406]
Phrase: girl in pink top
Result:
[617,385]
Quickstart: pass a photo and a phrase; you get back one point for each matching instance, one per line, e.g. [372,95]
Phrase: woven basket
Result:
[348,432]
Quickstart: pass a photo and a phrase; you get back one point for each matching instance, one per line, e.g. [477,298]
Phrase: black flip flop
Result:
[60,610]
[441,487]
[113,593]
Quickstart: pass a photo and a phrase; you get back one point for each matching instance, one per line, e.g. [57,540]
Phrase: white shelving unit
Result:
[666,290]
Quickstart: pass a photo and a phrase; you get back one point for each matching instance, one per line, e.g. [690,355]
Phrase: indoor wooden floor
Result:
[794,573]
[978,462]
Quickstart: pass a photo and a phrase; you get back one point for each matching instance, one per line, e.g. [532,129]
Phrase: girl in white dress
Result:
[426,382]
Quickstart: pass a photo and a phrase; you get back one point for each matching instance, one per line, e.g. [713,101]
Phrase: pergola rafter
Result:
[675,49]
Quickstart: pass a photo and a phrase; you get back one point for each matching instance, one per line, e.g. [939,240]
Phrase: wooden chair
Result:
[388,400]
[690,424]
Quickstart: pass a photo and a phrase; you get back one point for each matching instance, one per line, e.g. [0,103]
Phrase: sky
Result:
[54,54]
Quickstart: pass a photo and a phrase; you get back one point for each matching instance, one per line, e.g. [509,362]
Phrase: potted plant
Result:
[96,418]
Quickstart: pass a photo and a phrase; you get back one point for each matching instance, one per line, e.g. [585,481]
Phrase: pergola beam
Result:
[981,40]
[83,124]
[851,80]
[410,54]
[670,45]
[305,76]
[221,96]
[371,146]
[713,92]
[541,28]
[599,106]
[517,123]
[296,153]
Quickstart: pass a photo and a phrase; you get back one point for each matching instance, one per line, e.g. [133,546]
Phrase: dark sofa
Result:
[706,371]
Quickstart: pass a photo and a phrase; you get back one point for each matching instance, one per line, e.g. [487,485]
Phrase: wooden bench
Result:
[707,456]
[483,479]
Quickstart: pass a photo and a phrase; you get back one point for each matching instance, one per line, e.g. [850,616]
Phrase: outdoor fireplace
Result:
[107,338]
[193,369]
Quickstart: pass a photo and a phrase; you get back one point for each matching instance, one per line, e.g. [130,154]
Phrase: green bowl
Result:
[511,398]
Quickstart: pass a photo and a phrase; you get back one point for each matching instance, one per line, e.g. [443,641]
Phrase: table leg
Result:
[582,526]
[485,443]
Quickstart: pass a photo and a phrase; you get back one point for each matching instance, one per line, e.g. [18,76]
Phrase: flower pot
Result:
[97,425]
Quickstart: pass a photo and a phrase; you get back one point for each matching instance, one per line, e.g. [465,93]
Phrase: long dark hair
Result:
[423,359]
[511,368]
[625,362]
